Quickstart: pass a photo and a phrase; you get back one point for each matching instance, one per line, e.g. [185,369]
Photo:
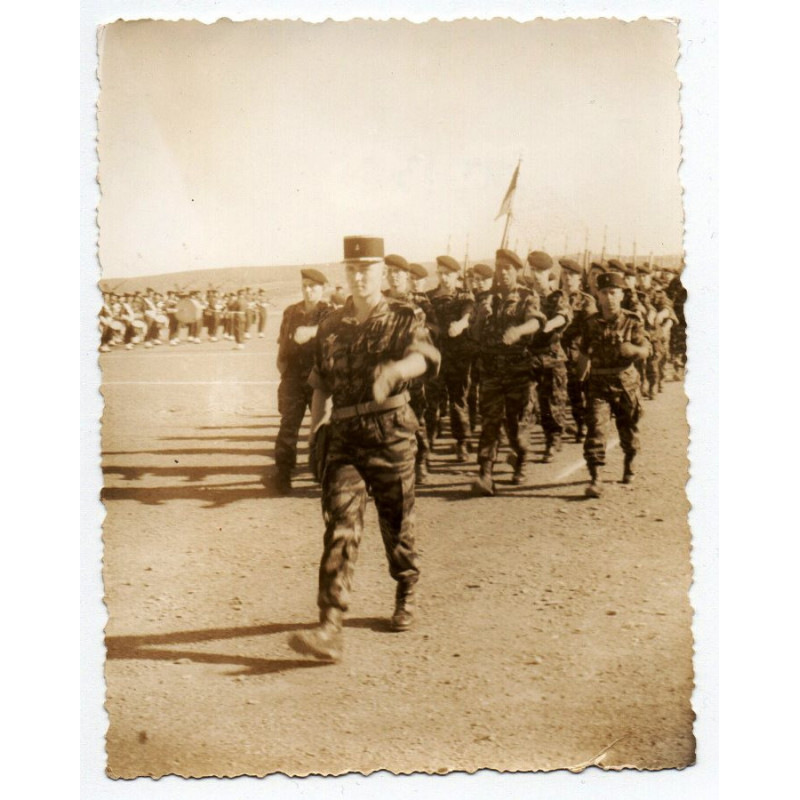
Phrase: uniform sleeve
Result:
[419,341]
[532,309]
[561,307]
[637,333]
[317,378]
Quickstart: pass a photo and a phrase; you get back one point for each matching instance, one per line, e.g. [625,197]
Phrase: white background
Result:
[53,550]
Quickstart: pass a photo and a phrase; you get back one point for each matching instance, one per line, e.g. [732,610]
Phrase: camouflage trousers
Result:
[453,378]
[654,369]
[419,405]
[374,452]
[618,397]
[576,392]
[551,391]
[294,397]
[505,400]
[473,395]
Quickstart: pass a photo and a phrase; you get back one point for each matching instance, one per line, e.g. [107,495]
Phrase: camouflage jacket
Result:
[450,307]
[500,314]
[348,351]
[602,339]
[547,345]
[583,306]
[298,359]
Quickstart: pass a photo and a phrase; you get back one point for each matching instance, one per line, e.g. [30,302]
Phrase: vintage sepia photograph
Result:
[392,343]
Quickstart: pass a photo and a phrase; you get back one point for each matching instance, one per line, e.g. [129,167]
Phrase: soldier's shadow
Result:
[166,647]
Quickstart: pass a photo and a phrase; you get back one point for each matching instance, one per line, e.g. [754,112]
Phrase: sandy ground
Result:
[550,626]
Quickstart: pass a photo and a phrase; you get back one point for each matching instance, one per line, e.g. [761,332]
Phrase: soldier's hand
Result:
[386,377]
[629,350]
[456,328]
[511,335]
[303,334]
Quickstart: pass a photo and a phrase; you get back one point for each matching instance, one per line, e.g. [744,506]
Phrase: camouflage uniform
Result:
[483,302]
[614,386]
[294,393]
[677,295]
[456,353]
[582,306]
[505,374]
[418,387]
[367,451]
[660,343]
[549,371]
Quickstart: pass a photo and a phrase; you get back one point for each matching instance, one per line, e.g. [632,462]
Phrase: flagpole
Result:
[505,207]
[504,243]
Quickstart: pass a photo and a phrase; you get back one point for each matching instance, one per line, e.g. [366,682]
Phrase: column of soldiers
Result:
[504,339]
[152,318]
[514,345]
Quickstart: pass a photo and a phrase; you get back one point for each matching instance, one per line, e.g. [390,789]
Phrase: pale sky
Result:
[266,142]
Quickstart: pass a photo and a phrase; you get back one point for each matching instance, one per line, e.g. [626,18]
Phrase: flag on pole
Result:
[505,206]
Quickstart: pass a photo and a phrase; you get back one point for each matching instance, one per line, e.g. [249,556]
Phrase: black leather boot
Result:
[403,617]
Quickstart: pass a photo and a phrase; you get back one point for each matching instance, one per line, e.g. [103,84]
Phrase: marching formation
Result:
[151,318]
[498,349]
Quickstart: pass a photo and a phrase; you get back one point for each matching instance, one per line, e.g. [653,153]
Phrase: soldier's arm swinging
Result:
[516,332]
[390,373]
[558,321]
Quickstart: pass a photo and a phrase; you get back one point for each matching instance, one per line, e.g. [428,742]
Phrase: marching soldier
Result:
[662,321]
[506,325]
[398,276]
[171,310]
[548,359]
[612,341]
[582,306]
[296,342]
[366,354]
[482,281]
[262,303]
[453,308]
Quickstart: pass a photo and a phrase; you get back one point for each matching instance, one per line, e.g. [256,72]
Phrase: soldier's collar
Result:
[349,308]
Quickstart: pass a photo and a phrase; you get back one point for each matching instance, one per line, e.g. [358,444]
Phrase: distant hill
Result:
[284,279]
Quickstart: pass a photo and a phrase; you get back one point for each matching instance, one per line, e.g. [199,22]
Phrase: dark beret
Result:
[570,265]
[610,280]
[448,263]
[314,275]
[418,271]
[615,265]
[598,265]
[644,269]
[483,271]
[506,256]
[393,260]
[630,269]
[540,260]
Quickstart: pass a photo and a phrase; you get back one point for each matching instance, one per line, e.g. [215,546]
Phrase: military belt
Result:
[371,407]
